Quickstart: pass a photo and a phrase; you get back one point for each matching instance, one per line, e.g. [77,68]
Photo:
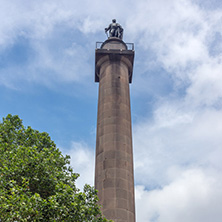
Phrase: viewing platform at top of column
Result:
[114,49]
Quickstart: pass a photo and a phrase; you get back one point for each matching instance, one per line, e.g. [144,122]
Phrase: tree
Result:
[36,181]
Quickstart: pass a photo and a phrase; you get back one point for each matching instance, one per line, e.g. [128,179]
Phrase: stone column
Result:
[114,175]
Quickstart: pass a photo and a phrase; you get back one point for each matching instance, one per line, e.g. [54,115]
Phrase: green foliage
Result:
[36,181]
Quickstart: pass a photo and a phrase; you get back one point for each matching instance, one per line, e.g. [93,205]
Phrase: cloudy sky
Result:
[47,60]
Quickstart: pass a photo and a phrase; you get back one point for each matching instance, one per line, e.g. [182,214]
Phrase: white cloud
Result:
[193,196]
[83,161]
[206,83]
[180,36]
[184,130]
[177,136]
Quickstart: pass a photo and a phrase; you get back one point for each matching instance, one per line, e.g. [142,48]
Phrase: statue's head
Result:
[114,20]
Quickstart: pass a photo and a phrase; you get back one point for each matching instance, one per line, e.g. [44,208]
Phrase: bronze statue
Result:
[115,29]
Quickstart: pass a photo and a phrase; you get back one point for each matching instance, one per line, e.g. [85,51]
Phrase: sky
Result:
[47,61]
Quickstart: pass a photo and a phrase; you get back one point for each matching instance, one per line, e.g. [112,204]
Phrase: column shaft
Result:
[114,177]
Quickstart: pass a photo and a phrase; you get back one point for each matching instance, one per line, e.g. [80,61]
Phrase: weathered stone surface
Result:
[114,178]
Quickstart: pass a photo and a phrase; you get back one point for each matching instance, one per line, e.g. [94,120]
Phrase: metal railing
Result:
[130,46]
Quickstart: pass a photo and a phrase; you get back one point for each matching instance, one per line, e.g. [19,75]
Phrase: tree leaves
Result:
[36,181]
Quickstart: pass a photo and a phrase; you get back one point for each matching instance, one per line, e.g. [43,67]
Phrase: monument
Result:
[114,175]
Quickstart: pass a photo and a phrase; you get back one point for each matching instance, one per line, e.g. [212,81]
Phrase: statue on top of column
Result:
[115,30]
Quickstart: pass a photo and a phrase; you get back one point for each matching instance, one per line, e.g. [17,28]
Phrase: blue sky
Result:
[47,51]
